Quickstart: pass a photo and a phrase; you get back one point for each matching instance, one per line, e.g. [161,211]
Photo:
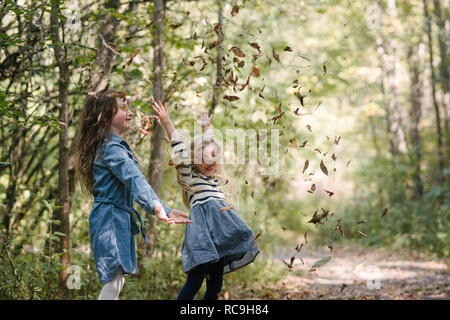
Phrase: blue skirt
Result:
[215,234]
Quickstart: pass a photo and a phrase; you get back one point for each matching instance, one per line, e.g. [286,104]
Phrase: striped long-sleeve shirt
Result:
[203,188]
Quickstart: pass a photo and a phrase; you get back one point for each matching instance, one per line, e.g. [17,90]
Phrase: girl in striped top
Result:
[217,241]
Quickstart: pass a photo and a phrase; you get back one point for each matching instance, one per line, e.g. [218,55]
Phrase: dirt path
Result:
[360,273]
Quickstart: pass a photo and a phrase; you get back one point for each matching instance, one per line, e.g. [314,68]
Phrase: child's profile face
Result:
[121,121]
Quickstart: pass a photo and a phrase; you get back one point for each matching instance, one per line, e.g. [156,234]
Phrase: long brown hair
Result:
[98,111]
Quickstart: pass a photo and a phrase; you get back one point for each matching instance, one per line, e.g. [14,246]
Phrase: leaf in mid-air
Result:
[321,262]
[305,166]
[323,167]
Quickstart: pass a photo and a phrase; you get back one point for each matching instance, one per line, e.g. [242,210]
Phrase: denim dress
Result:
[113,222]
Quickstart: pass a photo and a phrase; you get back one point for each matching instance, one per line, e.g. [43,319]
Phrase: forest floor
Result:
[356,273]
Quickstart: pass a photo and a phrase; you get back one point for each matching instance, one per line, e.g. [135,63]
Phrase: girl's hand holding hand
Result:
[178,216]
[160,213]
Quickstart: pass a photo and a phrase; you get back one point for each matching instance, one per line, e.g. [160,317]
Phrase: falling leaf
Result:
[339,227]
[238,52]
[331,246]
[309,127]
[316,218]
[324,69]
[318,150]
[305,166]
[279,108]
[258,235]
[329,192]
[361,221]
[255,71]
[215,43]
[293,143]
[225,208]
[275,55]
[365,235]
[321,262]
[288,49]
[348,162]
[336,140]
[384,213]
[323,168]
[234,11]
[231,98]
[304,144]
[333,156]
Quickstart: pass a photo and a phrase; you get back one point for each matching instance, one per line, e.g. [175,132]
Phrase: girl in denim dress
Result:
[107,168]
[218,241]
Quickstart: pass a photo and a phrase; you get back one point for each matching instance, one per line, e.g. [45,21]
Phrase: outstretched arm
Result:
[163,117]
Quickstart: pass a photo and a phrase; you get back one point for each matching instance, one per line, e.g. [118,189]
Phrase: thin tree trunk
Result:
[433,93]
[157,141]
[105,57]
[444,69]
[62,213]
[415,115]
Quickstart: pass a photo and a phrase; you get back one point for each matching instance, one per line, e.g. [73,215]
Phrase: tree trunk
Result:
[105,57]
[62,213]
[157,141]
[444,70]
[433,94]
[415,115]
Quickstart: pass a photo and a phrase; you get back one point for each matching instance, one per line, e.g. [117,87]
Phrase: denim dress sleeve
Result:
[116,158]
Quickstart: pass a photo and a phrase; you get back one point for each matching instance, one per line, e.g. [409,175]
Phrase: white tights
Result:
[111,290]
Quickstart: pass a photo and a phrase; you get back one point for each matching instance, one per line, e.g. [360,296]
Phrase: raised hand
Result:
[163,115]
[205,120]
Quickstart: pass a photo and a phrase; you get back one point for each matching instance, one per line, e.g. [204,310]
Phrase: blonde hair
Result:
[198,144]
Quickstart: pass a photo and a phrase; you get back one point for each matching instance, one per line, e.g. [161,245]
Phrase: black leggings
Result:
[214,277]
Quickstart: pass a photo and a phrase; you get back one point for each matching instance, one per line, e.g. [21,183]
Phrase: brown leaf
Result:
[275,55]
[333,156]
[234,11]
[231,98]
[288,49]
[304,144]
[324,69]
[255,71]
[348,162]
[305,166]
[214,44]
[323,168]
[238,52]
[293,143]
[309,127]
[329,192]
[225,208]
[384,213]
[258,235]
